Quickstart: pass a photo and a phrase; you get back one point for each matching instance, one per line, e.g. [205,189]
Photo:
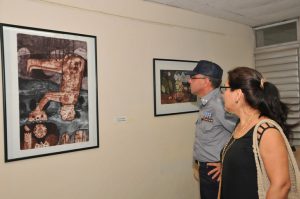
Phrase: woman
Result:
[247,95]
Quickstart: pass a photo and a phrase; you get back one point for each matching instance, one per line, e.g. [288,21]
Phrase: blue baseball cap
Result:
[207,68]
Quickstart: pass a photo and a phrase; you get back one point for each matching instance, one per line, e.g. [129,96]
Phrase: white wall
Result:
[147,157]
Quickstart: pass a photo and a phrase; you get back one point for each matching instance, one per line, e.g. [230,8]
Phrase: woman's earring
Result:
[236,101]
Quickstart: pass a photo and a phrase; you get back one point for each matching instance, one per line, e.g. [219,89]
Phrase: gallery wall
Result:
[143,156]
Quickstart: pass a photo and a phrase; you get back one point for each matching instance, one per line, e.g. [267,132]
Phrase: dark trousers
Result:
[208,187]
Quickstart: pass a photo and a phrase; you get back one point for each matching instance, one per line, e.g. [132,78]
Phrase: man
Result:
[213,126]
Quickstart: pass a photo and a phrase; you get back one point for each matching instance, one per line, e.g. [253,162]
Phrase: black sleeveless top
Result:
[239,176]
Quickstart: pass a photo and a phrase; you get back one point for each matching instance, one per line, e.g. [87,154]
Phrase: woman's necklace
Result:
[229,143]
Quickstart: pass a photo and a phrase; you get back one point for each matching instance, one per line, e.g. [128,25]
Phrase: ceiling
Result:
[248,12]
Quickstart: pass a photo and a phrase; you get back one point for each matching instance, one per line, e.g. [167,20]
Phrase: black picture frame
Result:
[171,88]
[50,92]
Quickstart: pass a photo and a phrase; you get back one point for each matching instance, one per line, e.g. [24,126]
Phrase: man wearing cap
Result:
[213,126]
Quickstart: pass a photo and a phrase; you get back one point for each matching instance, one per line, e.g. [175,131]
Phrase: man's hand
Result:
[216,171]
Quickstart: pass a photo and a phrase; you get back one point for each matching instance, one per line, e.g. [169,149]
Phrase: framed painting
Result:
[49,92]
[172,93]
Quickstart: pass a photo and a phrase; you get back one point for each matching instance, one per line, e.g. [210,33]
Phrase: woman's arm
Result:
[275,157]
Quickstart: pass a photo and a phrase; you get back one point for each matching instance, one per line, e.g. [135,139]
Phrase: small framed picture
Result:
[172,93]
[49,92]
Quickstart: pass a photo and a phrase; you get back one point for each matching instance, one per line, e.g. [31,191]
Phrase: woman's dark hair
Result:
[261,95]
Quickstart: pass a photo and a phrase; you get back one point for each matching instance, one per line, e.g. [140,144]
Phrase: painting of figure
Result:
[53,90]
[50,91]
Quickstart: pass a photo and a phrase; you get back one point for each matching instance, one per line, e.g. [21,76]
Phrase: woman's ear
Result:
[238,95]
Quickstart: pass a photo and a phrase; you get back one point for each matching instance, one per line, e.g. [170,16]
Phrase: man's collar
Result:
[210,95]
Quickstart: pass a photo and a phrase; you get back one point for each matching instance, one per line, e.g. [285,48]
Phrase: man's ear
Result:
[207,81]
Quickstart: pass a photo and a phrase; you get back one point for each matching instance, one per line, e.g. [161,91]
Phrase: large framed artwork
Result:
[49,92]
[172,94]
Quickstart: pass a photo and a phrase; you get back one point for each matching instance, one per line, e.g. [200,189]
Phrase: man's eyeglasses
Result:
[223,88]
